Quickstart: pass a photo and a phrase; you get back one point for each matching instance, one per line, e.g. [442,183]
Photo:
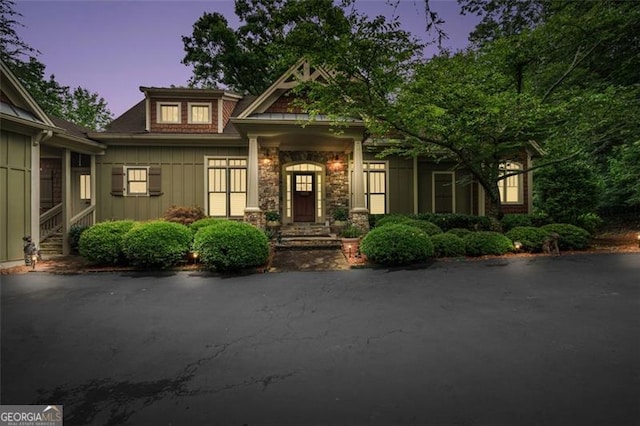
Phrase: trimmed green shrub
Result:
[510,221]
[351,231]
[448,245]
[487,242]
[460,232]
[448,221]
[207,221]
[74,237]
[571,237]
[230,246]
[590,222]
[531,237]
[396,244]
[156,244]
[428,227]
[102,243]
[392,219]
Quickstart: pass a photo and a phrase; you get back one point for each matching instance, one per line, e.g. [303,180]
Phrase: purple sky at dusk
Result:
[114,47]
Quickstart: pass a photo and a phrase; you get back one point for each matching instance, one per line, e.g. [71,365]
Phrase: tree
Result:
[250,58]
[78,105]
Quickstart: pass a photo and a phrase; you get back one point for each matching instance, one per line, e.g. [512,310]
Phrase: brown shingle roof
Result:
[71,128]
[131,121]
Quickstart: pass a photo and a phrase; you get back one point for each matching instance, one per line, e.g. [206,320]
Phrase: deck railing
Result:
[51,222]
[84,218]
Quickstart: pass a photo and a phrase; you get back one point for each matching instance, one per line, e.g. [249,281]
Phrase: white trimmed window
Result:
[169,112]
[375,186]
[137,180]
[226,187]
[511,191]
[199,113]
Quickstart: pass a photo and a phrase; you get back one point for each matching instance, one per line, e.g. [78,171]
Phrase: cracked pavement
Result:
[546,340]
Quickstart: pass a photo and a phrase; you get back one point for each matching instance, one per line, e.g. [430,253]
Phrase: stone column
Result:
[359,213]
[252,213]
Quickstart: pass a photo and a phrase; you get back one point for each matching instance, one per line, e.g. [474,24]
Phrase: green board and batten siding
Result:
[182,176]
[15,193]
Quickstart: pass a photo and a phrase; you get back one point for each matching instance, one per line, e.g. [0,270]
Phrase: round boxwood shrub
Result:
[397,244]
[460,232]
[392,219]
[448,245]
[428,227]
[571,237]
[531,237]
[102,243]
[199,224]
[156,244]
[229,246]
[487,242]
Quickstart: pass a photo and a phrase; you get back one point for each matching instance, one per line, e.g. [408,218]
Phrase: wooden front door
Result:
[304,197]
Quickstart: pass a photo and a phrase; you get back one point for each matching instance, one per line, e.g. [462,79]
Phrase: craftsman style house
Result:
[236,156]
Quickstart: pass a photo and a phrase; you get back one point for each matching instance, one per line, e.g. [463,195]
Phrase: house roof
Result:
[71,129]
[19,105]
[190,92]
[131,121]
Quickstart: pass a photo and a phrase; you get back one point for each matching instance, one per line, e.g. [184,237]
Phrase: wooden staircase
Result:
[51,245]
[306,237]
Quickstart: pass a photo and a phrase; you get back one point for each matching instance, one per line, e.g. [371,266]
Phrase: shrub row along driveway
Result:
[544,340]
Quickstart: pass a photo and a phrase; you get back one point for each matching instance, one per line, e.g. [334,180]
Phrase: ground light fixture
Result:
[517,245]
[638,238]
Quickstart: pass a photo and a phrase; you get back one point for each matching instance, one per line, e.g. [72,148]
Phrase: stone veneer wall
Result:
[336,179]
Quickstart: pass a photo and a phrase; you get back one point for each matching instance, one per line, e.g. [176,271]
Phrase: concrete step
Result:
[311,230]
[308,242]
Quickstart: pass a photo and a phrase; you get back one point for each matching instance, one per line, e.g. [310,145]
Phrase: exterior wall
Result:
[227,110]
[183,126]
[400,189]
[464,198]
[15,194]
[182,174]
[284,104]
[50,183]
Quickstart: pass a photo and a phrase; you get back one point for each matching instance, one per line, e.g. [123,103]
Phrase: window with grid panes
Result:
[226,186]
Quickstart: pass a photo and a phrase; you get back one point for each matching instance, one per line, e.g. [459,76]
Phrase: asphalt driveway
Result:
[526,341]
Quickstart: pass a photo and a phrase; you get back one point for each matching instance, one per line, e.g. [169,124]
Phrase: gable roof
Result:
[21,106]
[300,71]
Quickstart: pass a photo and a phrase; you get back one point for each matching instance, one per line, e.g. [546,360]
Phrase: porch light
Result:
[336,164]
[266,161]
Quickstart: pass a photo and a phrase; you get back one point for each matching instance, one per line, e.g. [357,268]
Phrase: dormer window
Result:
[199,113]
[169,112]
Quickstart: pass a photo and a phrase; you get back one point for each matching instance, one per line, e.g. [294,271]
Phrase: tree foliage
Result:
[77,105]
[249,59]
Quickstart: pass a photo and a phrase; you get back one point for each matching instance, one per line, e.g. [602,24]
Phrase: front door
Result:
[304,197]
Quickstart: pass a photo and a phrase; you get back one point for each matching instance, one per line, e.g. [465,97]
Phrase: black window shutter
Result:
[155,181]
[117,181]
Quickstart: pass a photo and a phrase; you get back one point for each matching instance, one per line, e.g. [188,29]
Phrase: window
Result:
[199,113]
[375,187]
[227,186]
[169,112]
[443,192]
[85,187]
[137,181]
[511,187]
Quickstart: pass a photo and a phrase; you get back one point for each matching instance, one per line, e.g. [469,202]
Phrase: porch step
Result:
[309,242]
[305,230]
[51,245]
